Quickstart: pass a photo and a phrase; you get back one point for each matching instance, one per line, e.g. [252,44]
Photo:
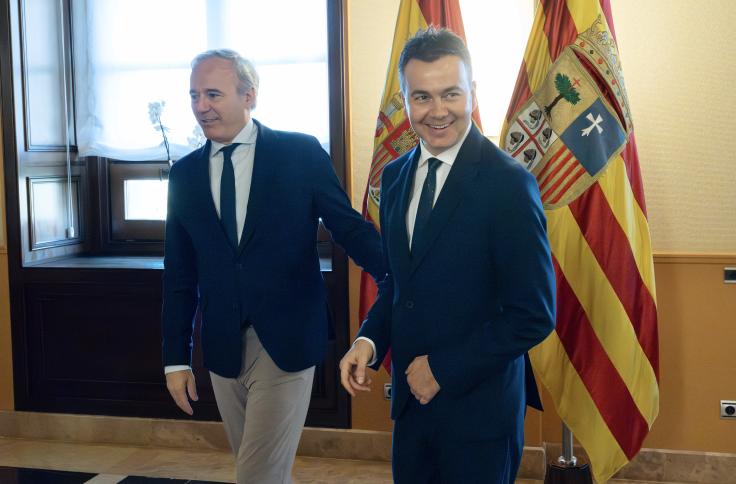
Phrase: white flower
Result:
[155,109]
[197,139]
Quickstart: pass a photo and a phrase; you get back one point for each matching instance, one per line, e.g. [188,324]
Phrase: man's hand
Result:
[181,383]
[421,380]
[352,367]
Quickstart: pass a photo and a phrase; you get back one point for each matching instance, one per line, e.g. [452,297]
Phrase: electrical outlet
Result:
[729,275]
[728,409]
[387,391]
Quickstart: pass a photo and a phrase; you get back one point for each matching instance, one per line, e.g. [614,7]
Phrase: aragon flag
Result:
[570,125]
[394,135]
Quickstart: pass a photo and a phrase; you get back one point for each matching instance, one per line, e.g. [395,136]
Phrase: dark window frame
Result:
[131,231]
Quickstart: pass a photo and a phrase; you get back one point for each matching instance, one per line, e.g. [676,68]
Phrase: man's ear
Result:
[249,99]
[472,94]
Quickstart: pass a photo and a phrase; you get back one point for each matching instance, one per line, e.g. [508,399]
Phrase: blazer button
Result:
[409,304]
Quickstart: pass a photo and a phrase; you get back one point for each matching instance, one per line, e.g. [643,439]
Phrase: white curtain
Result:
[130,53]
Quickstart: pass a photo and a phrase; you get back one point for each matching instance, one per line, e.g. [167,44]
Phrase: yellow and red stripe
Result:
[612,250]
[590,360]
[559,27]
[601,365]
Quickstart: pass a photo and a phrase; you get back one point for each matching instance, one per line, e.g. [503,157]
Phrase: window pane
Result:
[45,96]
[496,31]
[145,199]
[301,106]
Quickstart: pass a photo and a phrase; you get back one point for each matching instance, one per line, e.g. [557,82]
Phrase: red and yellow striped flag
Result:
[569,123]
[394,135]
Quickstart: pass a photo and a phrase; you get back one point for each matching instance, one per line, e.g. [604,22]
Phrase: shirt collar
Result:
[448,156]
[246,136]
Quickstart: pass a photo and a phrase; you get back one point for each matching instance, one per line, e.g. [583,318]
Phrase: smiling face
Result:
[220,109]
[439,97]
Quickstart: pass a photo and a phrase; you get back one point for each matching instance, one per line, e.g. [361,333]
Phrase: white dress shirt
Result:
[242,159]
[447,158]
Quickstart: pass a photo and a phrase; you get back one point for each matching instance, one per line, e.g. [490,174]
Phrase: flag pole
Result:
[567,470]
[567,458]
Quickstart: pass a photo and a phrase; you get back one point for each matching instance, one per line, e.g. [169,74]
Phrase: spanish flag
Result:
[570,125]
[394,136]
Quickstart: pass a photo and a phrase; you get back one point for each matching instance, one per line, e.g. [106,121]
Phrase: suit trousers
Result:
[428,449]
[263,410]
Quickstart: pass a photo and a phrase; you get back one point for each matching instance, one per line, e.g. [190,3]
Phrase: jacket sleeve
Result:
[179,282]
[357,236]
[377,325]
[526,311]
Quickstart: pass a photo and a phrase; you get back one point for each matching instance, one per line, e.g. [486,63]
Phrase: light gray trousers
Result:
[263,410]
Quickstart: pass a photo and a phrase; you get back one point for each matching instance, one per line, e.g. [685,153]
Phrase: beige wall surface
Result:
[697,365]
[370,35]
[370,30]
[678,59]
[6,352]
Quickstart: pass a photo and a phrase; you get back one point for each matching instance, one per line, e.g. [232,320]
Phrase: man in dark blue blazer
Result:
[241,234]
[470,287]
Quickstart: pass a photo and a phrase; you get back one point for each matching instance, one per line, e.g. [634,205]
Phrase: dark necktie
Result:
[426,200]
[227,195]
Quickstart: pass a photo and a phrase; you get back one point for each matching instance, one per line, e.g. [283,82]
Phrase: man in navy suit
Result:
[470,287]
[241,234]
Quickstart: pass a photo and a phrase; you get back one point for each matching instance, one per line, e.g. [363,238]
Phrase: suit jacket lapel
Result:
[203,188]
[262,164]
[464,168]
[404,184]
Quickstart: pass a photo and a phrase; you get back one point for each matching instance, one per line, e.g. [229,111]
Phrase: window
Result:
[137,201]
[125,61]
[496,32]
[145,199]
[87,71]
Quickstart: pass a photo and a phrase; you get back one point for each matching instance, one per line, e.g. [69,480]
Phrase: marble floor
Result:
[52,462]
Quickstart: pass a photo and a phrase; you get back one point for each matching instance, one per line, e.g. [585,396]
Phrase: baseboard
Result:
[658,465]
[666,465]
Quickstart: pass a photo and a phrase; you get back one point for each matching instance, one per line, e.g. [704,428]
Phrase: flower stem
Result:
[166,141]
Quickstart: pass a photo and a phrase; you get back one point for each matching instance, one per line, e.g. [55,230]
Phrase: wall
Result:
[370,30]
[697,335]
[678,56]
[6,354]
[676,59]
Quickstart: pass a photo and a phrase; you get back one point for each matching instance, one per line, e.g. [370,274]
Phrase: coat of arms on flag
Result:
[568,130]
[394,136]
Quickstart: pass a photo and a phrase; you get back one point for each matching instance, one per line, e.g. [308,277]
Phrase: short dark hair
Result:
[431,44]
